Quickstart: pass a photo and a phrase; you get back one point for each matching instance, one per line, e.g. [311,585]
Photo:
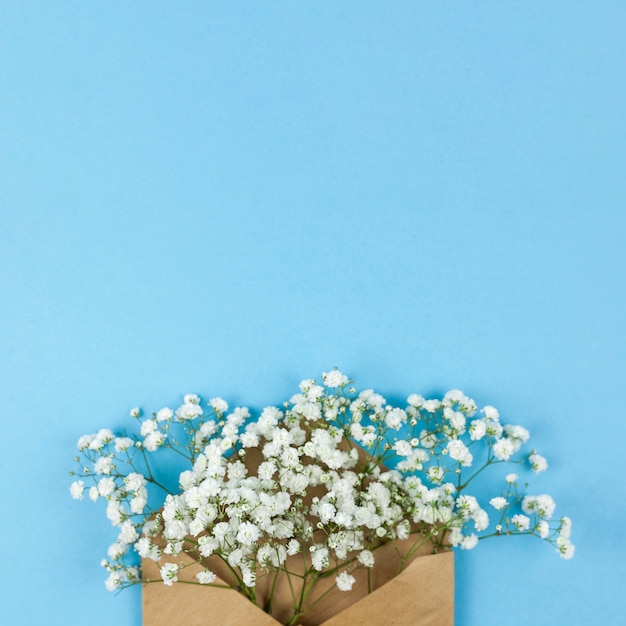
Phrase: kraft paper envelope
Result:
[421,595]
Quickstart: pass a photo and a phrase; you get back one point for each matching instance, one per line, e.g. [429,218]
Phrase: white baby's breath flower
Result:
[543,529]
[395,418]
[164,415]
[218,405]
[481,520]
[206,577]
[169,573]
[477,430]
[103,465]
[261,493]
[436,473]
[123,443]
[249,577]
[431,405]
[469,542]
[134,481]
[114,581]
[503,449]
[106,486]
[517,432]
[459,452]
[334,379]
[128,533]
[136,412]
[153,440]
[415,400]
[319,558]
[565,548]
[76,489]
[114,510]
[402,448]
[537,462]
[491,413]
[498,503]
[521,522]
[345,581]
[138,504]
[188,411]
[565,528]
[543,505]
[366,558]
[115,551]
[293,547]
[84,442]
[147,426]
[247,533]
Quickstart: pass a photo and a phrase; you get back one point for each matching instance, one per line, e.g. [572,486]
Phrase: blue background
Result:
[225,198]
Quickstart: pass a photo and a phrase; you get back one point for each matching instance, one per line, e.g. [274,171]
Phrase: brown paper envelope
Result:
[421,595]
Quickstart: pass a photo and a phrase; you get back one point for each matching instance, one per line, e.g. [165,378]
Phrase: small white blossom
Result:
[521,522]
[565,548]
[542,505]
[206,577]
[477,429]
[106,486]
[566,527]
[103,465]
[503,449]
[345,581]
[415,400]
[319,558]
[153,440]
[366,558]
[188,411]
[431,405]
[114,581]
[164,415]
[218,405]
[498,503]
[123,443]
[76,489]
[538,463]
[491,413]
[469,542]
[169,573]
[395,418]
[459,452]
[334,379]
[84,442]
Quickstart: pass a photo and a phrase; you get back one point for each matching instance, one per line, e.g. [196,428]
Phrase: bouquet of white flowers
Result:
[332,494]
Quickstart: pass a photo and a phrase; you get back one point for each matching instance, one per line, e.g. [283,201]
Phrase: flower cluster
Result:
[312,489]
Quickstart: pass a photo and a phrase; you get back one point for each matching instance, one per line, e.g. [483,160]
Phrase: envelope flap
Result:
[421,595]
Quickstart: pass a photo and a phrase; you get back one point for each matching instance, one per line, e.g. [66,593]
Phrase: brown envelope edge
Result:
[421,595]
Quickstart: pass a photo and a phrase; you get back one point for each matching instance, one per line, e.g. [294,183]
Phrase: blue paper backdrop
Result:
[225,198]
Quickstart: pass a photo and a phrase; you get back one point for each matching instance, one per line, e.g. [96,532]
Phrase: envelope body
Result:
[422,594]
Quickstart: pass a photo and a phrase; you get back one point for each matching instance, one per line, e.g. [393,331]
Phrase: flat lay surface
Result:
[228,198]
